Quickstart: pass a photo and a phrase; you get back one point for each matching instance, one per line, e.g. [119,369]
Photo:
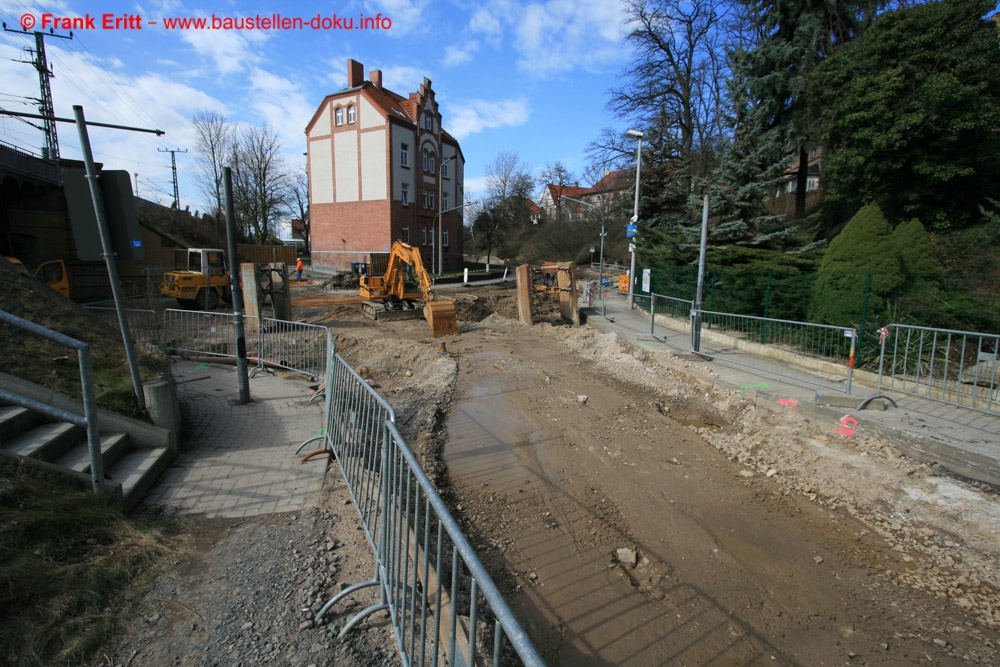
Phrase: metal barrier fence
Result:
[418,546]
[144,325]
[437,593]
[954,367]
[271,343]
[780,346]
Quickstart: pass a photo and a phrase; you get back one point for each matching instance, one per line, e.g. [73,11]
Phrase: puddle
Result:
[485,431]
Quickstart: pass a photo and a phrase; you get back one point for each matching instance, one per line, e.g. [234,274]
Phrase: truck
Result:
[52,272]
[200,279]
[402,287]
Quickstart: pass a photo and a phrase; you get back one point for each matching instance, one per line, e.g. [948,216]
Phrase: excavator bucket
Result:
[441,316]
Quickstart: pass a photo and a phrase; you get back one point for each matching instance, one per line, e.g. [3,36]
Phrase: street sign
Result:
[630,231]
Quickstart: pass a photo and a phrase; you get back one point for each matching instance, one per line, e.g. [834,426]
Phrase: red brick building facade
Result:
[381,169]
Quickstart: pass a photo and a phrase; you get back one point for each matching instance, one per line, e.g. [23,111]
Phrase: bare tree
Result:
[260,181]
[675,80]
[214,147]
[509,186]
[559,176]
[298,201]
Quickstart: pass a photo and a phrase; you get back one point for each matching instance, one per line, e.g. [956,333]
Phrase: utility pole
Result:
[45,106]
[173,166]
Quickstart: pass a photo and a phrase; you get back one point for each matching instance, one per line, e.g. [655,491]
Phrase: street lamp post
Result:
[600,282]
[635,215]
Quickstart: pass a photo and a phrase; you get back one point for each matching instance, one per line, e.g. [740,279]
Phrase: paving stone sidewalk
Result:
[239,461]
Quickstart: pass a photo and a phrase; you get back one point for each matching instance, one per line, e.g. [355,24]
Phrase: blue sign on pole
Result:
[630,231]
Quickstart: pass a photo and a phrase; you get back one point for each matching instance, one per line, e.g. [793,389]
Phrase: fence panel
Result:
[294,346]
[436,591]
[204,333]
[954,367]
[824,353]
[144,325]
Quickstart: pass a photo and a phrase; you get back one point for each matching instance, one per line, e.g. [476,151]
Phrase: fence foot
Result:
[263,369]
[343,594]
[312,439]
[864,404]
[362,615]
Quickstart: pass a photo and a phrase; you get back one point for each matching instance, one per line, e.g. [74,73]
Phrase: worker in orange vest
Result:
[298,269]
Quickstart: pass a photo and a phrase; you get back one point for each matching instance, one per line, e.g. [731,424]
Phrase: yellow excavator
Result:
[395,293]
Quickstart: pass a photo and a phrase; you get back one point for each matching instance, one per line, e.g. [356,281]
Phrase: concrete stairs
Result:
[129,470]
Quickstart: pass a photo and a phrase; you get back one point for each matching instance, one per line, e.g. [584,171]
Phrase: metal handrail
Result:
[89,418]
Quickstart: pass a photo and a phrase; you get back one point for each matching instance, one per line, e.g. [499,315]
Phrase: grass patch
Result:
[72,568]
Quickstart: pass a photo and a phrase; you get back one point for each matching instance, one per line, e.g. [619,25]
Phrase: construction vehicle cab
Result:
[405,282]
[52,272]
[199,280]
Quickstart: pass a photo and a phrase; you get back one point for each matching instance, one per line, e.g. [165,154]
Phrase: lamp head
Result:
[634,133]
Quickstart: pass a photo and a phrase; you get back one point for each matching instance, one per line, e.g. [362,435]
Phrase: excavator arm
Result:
[439,314]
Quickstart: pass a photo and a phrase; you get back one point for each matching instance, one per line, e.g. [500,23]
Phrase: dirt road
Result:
[635,513]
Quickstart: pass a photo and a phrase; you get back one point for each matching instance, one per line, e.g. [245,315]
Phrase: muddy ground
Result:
[635,511]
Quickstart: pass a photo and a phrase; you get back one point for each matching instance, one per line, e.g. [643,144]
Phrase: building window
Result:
[432,163]
[432,201]
[428,124]
[444,201]
[339,116]
[404,155]
[350,114]
[425,199]
[444,238]
[406,233]
[425,160]
[405,197]
[444,168]
[423,236]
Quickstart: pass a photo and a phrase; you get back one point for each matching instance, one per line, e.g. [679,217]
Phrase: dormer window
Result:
[350,114]
[339,116]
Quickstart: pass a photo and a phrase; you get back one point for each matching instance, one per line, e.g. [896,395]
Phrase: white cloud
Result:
[464,119]
[459,55]
[406,15]
[284,105]
[231,51]
[555,36]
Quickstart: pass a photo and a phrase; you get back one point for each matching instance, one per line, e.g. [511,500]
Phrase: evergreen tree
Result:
[915,249]
[911,112]
[864,250]
[797,36]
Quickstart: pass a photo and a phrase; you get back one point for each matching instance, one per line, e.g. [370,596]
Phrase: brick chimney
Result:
[355,73]
[376,78]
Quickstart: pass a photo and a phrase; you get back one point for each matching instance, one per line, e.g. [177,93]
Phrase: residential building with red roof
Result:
[612,184]
[381,167]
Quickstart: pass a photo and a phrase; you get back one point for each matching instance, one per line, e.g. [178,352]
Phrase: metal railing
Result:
[954,367]
[823,353]
[89,418]
[443,604]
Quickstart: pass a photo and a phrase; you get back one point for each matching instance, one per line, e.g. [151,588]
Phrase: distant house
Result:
[789,180]
[612,184]
[382,168]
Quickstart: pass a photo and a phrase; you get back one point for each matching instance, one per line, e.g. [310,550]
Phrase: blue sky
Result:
[510,75]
